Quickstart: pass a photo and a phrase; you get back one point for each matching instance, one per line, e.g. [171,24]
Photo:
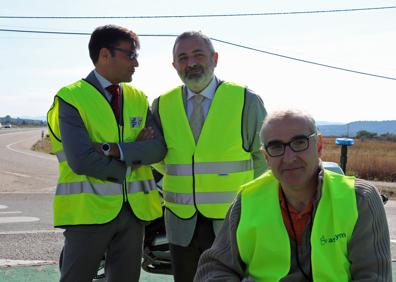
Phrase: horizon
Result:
[318,122]
[38,65]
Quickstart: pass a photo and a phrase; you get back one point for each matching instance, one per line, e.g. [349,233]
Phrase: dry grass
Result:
[371,159]
[43,145]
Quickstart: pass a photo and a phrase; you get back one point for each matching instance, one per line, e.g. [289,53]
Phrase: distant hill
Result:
[321,122]
[21,121]
[43,118]
[350,129]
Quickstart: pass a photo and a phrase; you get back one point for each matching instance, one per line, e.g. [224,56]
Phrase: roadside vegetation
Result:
[43,145]
[369,158]
[364,134]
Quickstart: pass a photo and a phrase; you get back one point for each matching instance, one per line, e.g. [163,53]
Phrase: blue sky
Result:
[35,66]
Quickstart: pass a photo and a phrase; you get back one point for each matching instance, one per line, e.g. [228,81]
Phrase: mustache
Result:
[191,70]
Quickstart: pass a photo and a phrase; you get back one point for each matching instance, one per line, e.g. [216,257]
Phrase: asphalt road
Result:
[23,170]
[29,245]
[27,181]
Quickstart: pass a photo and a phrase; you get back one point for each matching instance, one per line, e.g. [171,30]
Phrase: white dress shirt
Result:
[105,83]
[208,93]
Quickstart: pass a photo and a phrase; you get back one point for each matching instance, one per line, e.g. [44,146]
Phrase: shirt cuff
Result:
[128,171]
[121,153]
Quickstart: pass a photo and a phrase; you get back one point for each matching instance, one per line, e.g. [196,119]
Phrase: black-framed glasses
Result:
[130,54]
[298,143]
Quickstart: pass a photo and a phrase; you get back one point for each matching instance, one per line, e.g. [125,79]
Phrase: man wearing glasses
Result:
[104,137]
[298,221]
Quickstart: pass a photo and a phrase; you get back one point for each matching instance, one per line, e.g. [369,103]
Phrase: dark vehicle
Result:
[156,254]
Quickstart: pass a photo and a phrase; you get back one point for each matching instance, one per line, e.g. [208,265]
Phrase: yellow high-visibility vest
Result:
[81,199]
[263,241]
[205,176]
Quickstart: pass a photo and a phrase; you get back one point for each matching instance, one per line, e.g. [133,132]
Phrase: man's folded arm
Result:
[145,152]
[81,156]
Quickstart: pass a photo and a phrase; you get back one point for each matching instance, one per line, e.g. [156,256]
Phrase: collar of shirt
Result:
[104,83]
[208,92]
[299,214]
[315,199]
[300,219]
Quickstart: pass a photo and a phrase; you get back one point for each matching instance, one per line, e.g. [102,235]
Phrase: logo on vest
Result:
[332,239]
[136,121]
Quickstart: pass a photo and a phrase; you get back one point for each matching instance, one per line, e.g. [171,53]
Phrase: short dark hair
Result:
[194,34]
[109,36]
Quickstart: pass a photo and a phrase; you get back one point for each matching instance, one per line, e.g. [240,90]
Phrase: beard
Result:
[197,77]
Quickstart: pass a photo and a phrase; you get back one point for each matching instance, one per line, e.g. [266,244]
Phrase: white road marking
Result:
[2,207]
[16,174]
[14,219]
[17,132]
[31,232]
[9,147]
[10,212]
[11,262]
[393,241]
[32,192]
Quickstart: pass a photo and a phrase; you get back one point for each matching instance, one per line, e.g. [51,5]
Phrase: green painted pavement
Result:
[50,273]
[394,270]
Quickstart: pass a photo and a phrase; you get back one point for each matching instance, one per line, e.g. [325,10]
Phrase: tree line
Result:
[364,134]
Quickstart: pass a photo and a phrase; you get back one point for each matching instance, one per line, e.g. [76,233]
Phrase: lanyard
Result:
[309,275]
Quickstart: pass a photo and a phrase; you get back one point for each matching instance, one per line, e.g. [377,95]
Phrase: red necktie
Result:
[114,90]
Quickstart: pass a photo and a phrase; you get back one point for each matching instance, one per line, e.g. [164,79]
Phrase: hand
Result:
[146,134]
[97,147]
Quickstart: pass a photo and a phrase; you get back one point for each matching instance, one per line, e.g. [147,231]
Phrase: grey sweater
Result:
[368,249]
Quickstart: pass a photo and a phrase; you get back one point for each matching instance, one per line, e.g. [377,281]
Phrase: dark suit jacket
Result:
[82,157]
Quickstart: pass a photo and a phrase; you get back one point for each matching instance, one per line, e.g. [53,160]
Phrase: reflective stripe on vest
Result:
[141,186]
[200,198]
[208,168]
[81,199]
[261,225]
[204,175]
[104,189]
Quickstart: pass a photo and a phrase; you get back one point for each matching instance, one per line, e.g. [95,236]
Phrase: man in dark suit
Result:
[104,137]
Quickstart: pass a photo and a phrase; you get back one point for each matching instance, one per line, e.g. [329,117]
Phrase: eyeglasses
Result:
[296,144]
[131,54]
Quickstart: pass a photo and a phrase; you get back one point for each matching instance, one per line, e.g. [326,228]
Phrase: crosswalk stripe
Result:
[10,262]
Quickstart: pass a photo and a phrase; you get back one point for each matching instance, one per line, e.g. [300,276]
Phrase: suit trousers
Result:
[85,245]
[185,259]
